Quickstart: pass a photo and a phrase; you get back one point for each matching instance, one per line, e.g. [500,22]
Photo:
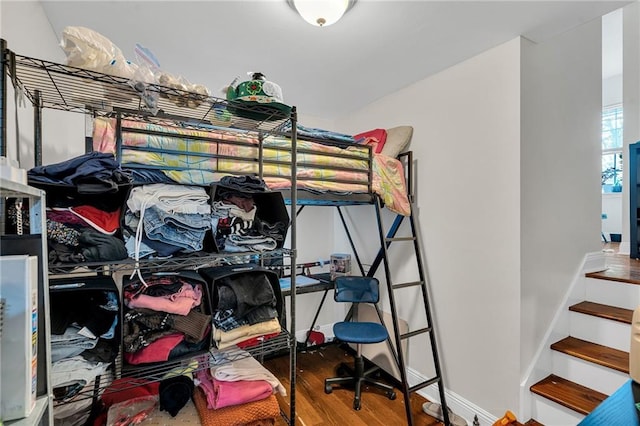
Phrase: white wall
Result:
[631,100]
[560,172]
[612,90]
[466,144]
[612,203]
[520,205]
[28,32]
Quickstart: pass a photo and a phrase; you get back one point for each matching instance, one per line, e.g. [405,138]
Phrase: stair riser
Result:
[612,293]
[553,414]
[600,330]
[588,374]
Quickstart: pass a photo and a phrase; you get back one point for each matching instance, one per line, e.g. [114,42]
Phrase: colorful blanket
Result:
[186,158]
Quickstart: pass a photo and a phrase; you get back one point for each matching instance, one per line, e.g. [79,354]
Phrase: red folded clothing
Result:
[253,341]
[105,222]
[157,351]
[375,137]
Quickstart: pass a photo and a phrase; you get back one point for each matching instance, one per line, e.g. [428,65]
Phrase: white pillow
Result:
[398,139]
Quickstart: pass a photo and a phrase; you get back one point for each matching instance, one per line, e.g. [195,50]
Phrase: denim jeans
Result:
[182,230]
[70,344]
[144,250]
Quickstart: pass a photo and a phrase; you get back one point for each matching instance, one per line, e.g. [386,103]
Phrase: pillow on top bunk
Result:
[376,138]
[398,139]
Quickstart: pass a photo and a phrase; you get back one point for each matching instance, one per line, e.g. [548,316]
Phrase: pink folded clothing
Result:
[180,303]
[228,394]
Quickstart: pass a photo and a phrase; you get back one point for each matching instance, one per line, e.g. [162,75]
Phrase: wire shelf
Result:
[131,376]
[190,262]
[56,86]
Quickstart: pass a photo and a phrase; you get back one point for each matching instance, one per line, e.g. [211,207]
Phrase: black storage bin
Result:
[143,325]
[92,302]
[61,195]
[216,276]
[270,209]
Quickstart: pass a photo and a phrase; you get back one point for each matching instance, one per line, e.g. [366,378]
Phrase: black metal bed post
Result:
[3,96]
[37,129]
[294,200]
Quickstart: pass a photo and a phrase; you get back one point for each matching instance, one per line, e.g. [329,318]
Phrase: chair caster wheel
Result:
[356,405]
[328,389]
[391,395]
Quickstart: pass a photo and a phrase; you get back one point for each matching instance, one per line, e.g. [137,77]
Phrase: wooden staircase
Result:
[593,359]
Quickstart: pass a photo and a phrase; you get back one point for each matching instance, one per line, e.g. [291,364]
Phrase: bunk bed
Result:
[189,146]
[328,171]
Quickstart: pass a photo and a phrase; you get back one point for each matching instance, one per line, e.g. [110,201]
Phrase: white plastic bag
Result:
[88,49]
[147,72]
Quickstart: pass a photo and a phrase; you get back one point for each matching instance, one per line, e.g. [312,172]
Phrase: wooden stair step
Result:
[593,352]
[568,394]
[603,311]
[533,422]
[619,268]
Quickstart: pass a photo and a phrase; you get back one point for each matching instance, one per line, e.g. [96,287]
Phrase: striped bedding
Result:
[184,156]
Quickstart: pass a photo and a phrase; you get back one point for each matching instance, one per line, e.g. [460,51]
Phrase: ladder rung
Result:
[400,239]
[416,332]
[424,384]
[407,284]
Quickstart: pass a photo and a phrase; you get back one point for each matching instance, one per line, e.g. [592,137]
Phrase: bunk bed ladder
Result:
[386,238]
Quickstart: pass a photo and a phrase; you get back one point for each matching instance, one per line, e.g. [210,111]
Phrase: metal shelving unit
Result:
[49,85]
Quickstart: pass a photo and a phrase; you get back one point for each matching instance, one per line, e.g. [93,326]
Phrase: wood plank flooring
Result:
[315,408]
[619,267]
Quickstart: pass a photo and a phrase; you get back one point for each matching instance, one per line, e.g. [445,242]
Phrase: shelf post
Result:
[37,129]
[3,96]
[294,199]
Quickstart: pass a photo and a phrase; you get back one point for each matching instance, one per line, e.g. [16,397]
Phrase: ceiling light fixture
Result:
[321,13]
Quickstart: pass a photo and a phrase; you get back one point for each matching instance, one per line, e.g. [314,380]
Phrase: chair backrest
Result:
[356,289]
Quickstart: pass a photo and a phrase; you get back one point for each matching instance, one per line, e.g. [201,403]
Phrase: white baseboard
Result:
[455,402]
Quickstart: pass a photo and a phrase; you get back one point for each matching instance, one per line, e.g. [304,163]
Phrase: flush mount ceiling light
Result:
[321,13]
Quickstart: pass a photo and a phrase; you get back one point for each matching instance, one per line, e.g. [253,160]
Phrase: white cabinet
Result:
[28,240]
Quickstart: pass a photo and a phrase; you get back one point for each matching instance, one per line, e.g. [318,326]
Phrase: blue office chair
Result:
[358,290]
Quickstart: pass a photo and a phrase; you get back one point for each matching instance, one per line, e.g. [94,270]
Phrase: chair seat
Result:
[360,332]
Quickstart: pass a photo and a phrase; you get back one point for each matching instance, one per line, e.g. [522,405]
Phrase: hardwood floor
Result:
[315,408]
[620,267]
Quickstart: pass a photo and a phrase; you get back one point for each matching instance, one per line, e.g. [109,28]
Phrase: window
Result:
[612,149]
